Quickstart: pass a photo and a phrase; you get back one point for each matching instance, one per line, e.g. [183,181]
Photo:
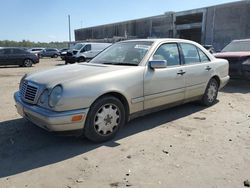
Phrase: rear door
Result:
[198,70]
[166,85]
[18,56]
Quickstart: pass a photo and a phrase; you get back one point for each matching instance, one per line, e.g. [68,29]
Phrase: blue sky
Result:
[46,20]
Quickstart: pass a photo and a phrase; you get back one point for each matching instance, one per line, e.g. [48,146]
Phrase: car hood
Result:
[232,54]
[69,73]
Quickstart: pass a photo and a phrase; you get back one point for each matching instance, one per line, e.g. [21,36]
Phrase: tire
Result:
[104,120]
[211,93]
[27,63]
[81,59]
[55,56]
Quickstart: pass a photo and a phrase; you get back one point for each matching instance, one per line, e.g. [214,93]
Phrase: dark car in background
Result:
[17,56]
[50,52]
[238,55]
[63,53]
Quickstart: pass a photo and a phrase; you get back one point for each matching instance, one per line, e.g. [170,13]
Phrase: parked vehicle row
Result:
[127,80]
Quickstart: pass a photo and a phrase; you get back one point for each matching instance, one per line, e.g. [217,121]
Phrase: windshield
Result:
[237,46]
[124,53]
[77,47]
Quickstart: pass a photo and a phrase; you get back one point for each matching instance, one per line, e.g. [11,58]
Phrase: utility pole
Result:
[69,30]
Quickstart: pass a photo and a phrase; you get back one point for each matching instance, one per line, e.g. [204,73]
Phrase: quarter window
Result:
[203,56]
[190,53]
[168,52]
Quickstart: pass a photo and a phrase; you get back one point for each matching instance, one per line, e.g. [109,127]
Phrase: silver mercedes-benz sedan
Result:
[127,80]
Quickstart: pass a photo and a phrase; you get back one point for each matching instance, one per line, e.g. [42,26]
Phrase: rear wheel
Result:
[211,93]
[55,56]
[27,63]
[105,118]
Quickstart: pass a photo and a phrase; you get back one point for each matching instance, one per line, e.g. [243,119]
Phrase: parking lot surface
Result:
[185,146]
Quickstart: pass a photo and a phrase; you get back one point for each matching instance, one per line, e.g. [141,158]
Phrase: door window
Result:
[87,47]
[18,51]
[168,52]
[7,51]
[190,53]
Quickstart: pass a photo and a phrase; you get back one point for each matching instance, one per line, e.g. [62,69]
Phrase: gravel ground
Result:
[186,146]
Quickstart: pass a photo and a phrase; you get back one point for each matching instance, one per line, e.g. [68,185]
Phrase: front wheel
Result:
[27,63]
[211,93]
[105,118]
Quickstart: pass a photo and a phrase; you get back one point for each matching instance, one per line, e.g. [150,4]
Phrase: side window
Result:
[168,52]
[88,47]
[18,51]
[1,52]
[203,56]
[190,53]
[7,51]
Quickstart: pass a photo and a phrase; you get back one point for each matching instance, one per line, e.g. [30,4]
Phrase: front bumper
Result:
[48,119]
[70,59]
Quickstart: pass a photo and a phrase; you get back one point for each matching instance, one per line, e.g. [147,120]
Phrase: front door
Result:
[166,85]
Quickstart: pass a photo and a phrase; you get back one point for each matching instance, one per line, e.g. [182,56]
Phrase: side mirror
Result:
[158,64]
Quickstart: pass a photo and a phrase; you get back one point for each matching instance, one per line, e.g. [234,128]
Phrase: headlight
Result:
[44,97]
[55,96]
[21,81]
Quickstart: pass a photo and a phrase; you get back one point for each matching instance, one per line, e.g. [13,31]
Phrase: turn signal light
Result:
[77,118]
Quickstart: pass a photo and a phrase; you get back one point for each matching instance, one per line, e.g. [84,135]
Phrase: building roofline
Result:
[170,12]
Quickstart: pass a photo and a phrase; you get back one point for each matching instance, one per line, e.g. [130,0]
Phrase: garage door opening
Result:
[189,26]
[190,34]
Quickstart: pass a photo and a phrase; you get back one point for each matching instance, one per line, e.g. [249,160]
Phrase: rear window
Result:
[237,46]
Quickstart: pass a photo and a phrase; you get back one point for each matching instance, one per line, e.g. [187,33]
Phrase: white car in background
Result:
[127,80]
[35,51]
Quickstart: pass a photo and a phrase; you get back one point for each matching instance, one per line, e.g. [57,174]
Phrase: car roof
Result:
[158,41]
[11,48]
[242,40]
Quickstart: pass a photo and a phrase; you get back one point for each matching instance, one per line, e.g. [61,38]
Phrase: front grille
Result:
[29,92]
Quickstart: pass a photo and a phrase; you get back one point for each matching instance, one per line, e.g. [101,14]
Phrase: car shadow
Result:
[25,147]
[237,86]
[10,66]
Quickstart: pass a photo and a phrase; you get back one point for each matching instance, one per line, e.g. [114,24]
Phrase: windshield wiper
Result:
[128,64]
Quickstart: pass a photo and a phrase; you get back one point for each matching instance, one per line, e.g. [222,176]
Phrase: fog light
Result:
[77,118]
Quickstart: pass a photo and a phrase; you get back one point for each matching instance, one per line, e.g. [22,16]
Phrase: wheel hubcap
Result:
[107,119]
[27,62]
[212,91]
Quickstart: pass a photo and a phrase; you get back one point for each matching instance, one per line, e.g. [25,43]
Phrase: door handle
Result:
[181,72]
[208,68]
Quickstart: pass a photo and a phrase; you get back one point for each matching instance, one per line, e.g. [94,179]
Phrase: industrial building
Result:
[215,25]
